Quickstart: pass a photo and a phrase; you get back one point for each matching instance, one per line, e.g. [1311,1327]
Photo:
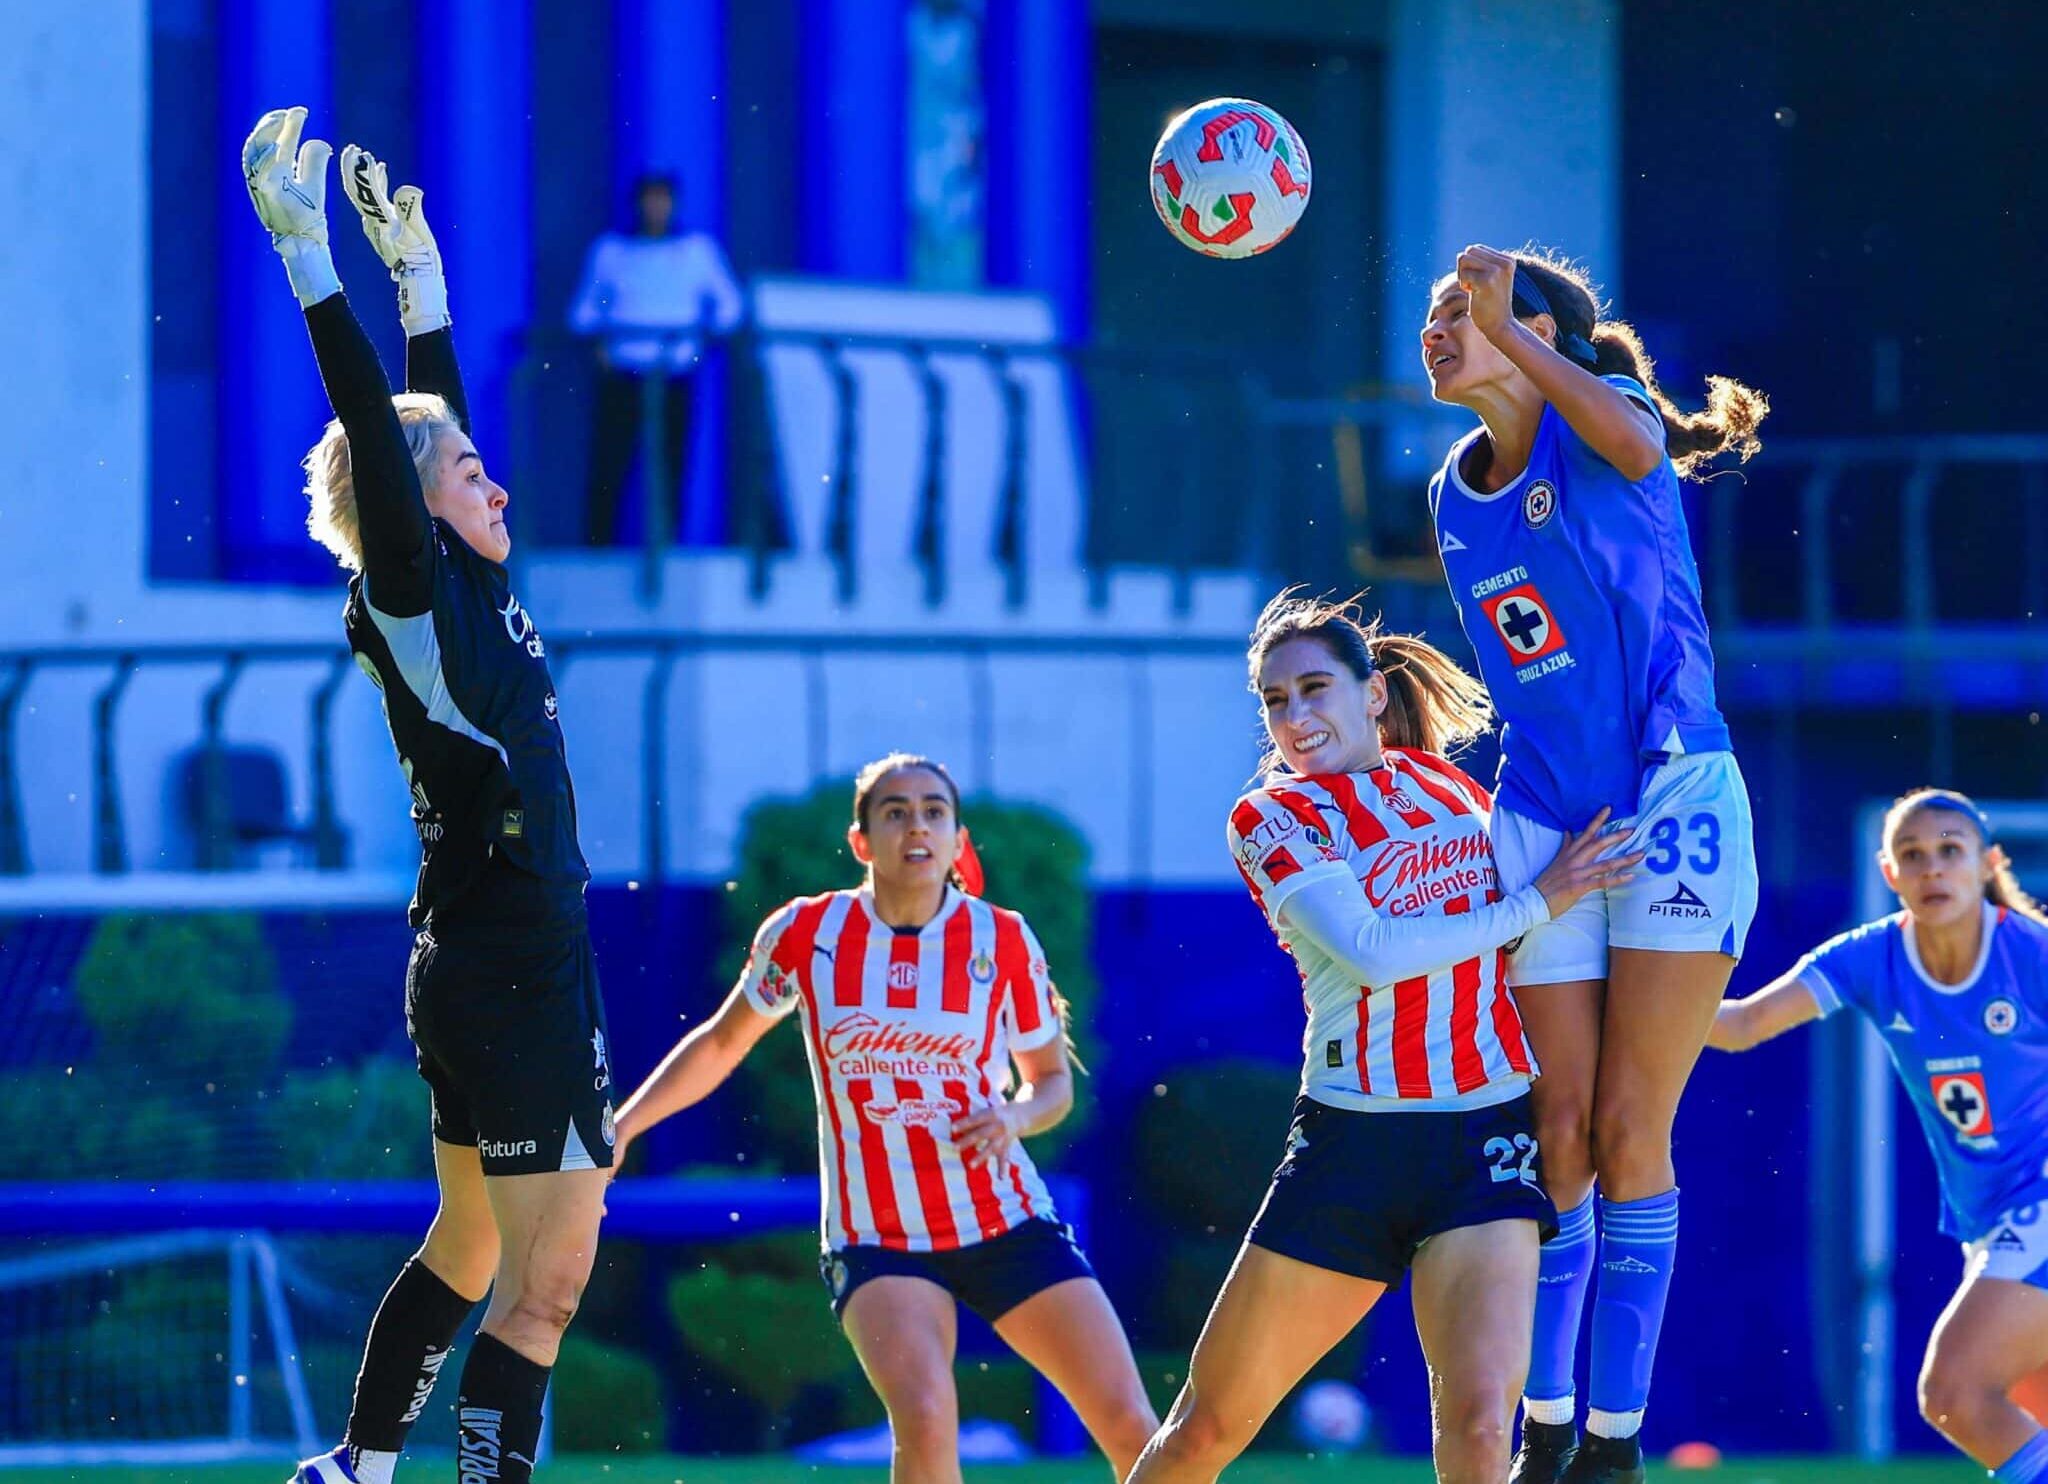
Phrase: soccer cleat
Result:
[1606,1461]
[328,1468]
[1547,1450]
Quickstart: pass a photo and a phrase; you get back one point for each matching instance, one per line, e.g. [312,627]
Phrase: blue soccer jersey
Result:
[1974,1056]
[1578,590]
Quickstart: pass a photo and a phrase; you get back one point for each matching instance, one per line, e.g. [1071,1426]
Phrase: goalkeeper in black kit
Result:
[501,994]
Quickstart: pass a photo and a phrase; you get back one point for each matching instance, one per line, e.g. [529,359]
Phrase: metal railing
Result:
[663,650]
[756,481]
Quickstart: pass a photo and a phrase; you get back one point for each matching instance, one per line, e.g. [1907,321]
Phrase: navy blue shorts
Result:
[990,1277]
[1360,1193]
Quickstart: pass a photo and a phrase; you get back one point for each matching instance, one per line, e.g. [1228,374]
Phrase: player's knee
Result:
[1128,1428]
[1197,1437]
[1564,1135]
[1631,1147]
[464,1255]
[924,1415]
[548,1300]
[1949,1394]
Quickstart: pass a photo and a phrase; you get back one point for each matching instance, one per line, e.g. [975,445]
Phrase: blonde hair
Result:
[331,478]
[1432,704]
[2003,889]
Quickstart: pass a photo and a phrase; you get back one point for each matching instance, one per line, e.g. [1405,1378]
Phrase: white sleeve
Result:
[727,303]
[1332,912]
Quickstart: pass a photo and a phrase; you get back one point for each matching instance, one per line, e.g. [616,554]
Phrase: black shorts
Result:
[1360,1193]
[509,1031]
[990,1277]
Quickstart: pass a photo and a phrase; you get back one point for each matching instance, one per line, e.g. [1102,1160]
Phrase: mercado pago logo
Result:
[860,1045]
[1409,875]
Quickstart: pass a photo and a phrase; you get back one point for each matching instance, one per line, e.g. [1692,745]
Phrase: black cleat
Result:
[1547,1450]
[1606,1461]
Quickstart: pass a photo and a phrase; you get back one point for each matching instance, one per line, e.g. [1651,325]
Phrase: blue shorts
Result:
[1360,1193]
[1695,891]
[990,1277]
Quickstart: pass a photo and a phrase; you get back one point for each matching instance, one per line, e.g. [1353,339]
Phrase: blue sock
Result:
[1567,1267]
[1638,1240]
[2027,1465]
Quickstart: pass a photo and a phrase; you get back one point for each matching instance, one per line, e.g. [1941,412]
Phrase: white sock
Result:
[1557,1411]
[374,1467]
[1613,1424]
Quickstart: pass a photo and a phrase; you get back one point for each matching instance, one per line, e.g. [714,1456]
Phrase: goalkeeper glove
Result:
[287,184]
[398,230]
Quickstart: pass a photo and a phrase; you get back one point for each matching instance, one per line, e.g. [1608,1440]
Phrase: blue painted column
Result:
[669,115]
[855,171]
[475,163]
[271,407]
[1036,71]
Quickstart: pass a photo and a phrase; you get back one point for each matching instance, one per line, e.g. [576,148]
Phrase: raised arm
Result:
[287,184]
[1773,1010]
[396,224]
[1613,424]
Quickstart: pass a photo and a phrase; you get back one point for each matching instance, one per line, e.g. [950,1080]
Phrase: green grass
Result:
[1259,1469]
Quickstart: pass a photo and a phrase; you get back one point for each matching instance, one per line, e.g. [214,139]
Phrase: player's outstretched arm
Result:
[395,222]
[287,183]
[1771,1011]
[1614,425]
[695,1069]
[1333,912]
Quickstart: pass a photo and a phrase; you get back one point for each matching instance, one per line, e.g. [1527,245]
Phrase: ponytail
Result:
[1733,411]
[1432,704]
[2003,890]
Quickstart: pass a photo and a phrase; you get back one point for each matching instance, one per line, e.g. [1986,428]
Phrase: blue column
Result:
[475,76]
[669,110]
[271,407]
[853,177]
[1035,62]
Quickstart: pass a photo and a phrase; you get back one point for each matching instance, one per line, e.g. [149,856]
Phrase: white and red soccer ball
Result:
[1230,177]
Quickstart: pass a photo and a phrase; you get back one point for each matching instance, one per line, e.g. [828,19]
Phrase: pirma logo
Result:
[1685,903]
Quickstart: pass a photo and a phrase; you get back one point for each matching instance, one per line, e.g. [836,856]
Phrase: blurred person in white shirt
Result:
[648,297]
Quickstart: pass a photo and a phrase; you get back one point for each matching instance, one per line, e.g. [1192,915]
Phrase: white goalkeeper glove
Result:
[287,184]
[398,230]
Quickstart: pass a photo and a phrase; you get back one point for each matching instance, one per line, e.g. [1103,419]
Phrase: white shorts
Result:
[2016,1249]
[1695,891]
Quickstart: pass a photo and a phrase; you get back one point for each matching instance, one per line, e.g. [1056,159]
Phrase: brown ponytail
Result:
[1432,704]
[1733,411]
[2003,890]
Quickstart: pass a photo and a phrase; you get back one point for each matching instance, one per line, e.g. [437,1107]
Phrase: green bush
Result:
[365,1122]
[606,1400]
[1237,1110]
[1036,862]
[756,1314]
[184,1001]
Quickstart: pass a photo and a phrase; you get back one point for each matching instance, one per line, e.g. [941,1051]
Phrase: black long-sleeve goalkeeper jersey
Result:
[462,669]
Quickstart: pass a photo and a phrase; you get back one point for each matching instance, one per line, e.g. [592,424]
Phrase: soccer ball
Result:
[1331,1417]
[1230,177]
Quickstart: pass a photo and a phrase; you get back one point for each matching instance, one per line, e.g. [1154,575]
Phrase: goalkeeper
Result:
[501,993]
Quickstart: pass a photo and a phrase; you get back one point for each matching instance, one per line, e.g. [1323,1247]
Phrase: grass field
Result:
[1267,1469]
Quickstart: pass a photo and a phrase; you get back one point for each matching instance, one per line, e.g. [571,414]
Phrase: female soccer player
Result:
[1564,540]
[1957,984]
[915,997]
[1411,1147]
[501,993]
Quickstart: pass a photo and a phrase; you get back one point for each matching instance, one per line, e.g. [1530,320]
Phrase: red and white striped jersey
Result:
[1414,834]
[907,1032]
